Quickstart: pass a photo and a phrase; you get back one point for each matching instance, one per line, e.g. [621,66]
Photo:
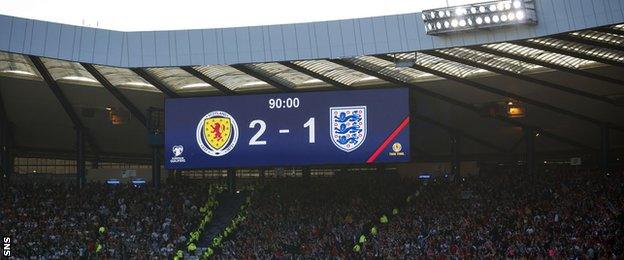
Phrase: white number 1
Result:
[310,126]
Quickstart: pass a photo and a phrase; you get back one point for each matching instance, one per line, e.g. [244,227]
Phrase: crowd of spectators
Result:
[559,214]
[48,220]
[313,217]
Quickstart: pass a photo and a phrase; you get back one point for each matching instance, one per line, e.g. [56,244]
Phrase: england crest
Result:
[347,127]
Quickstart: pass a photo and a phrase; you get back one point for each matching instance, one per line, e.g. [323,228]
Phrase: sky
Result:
[143,15]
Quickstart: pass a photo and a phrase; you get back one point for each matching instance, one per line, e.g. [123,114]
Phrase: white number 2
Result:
[254,139]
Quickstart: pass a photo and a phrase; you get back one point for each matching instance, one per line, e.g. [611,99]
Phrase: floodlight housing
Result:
[476,16]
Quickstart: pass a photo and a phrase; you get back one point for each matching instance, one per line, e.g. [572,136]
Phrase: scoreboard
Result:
[332,127]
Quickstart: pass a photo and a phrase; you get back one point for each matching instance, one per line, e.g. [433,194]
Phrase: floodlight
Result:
[500,6]
[479,15]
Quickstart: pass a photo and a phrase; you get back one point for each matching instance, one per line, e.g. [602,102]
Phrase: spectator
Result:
[51,220]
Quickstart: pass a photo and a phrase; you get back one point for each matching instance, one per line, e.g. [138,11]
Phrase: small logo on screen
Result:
[177,151]
[396,149]
[347,127]
[217,133]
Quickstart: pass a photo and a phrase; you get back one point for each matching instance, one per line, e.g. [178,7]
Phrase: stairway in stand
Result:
[229,205]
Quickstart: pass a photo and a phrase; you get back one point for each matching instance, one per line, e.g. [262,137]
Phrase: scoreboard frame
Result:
[399,97]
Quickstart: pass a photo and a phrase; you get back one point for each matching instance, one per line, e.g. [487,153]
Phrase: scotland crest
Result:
[217,133]
[347,127]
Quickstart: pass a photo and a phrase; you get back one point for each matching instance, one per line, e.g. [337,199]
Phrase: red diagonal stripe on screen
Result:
[389,139]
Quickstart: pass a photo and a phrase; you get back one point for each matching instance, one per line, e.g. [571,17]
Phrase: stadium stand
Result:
[51,220]
[483,131]
[563,214]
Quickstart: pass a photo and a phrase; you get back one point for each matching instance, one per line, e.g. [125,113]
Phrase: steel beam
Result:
[155,82]
[583,40]
[5,151]
[231,180]
[610,30]
[225,90]
[135,111]
[60,96]
[604,149]
[568,53]
[455,102]
[316,75]
[80,158]
[506,93]
[559,68]
[530,158]
[156,166]
[6,144]
[260,76]
[455,140]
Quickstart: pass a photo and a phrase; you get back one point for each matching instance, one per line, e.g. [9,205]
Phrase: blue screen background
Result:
[386,109]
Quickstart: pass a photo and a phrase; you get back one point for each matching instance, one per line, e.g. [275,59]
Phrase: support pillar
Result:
[262,174]
[5,154]
[455,154]
[6,157]
[306,172]
[604,148]
[95,164]
[530,159]
[80,157]
[231,180]
[156,167]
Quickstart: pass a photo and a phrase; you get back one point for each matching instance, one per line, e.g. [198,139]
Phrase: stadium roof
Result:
[568,76]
